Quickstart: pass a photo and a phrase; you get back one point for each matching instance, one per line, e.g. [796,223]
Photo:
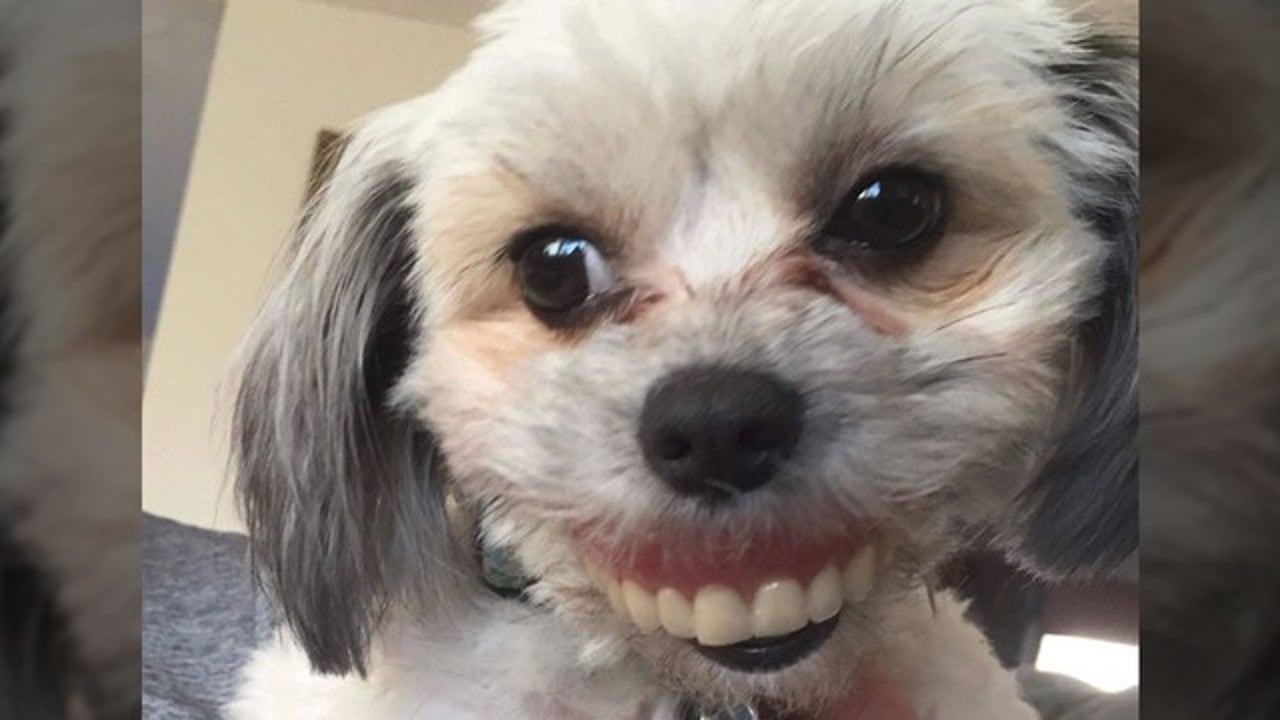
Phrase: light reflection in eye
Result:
[565,247]
[581,254]
[871,192]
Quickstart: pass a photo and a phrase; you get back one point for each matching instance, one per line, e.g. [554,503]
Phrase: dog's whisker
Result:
[930,35]
[971,315]
[969,359]
[946,371]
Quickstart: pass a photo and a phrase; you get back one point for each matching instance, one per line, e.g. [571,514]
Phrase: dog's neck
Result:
[750,711]
[504,575]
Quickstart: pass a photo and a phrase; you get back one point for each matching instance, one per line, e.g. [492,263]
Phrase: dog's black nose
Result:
[717,431]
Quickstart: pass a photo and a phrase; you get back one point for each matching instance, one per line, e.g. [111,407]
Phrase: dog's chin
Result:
[726,619]
[809,669]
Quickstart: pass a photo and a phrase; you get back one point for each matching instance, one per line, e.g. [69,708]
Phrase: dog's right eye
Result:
[560,271]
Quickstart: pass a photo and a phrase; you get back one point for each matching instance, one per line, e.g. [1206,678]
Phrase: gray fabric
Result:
[202,615]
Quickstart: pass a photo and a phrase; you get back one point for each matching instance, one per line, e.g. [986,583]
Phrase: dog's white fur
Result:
[691,134]
[514,662]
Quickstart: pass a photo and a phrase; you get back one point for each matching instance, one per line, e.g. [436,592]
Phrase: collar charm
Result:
[690,710]
[502,572]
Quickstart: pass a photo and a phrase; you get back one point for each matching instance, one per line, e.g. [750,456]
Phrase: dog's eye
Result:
[560,271]
[896,210]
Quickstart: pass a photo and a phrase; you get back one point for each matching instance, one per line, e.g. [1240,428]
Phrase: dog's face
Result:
[730,321]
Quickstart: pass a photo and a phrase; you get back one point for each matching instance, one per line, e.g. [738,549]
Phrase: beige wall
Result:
[284,69]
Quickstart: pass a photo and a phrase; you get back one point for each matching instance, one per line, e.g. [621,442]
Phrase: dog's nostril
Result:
[673,447]
[714,430]
[759,437]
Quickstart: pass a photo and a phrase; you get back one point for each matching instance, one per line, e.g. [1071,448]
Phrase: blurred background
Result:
[239,95]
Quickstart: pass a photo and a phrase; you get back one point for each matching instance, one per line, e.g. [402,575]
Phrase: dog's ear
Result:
[1081,513]
[334,485]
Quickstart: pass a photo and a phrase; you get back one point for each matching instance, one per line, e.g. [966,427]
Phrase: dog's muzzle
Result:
[749,602]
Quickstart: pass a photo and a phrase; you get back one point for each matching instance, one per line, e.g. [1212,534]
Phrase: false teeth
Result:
[718,615]
[641,606]
[676,614]
[824,595]
[780,608]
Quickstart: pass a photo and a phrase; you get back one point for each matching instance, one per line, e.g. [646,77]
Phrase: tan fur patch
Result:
[499,342]
[962,289]
[807,271]
[889,311]
[471,222]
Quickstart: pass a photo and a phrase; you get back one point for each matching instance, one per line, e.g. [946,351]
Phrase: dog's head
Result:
[728,320]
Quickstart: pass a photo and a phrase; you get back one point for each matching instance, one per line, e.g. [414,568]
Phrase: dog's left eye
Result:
[560,271]
[891,212]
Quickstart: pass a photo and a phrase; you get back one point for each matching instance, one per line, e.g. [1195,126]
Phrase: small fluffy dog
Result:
[651,366]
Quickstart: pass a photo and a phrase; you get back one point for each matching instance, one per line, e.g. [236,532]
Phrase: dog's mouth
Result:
[774,653]
[755,605]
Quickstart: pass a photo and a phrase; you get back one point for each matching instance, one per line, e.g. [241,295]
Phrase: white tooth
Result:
[640,605]
[886,544]
[675,613]
[859,574]
[614,591]
[824,595]
[720,617]
[780,608]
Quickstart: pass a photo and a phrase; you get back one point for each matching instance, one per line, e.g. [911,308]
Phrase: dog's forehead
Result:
[743,66]
[626,98]
[653,120]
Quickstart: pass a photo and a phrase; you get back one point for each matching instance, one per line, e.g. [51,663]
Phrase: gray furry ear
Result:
[334,485]
[1081,513]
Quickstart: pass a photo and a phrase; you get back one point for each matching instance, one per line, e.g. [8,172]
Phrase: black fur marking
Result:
[1084,507]
[33,647]
[339,501]
[388,351]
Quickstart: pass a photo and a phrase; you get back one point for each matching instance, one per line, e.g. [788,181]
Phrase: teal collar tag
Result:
[502,572]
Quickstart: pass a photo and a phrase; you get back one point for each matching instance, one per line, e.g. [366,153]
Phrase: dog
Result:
[652,365]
